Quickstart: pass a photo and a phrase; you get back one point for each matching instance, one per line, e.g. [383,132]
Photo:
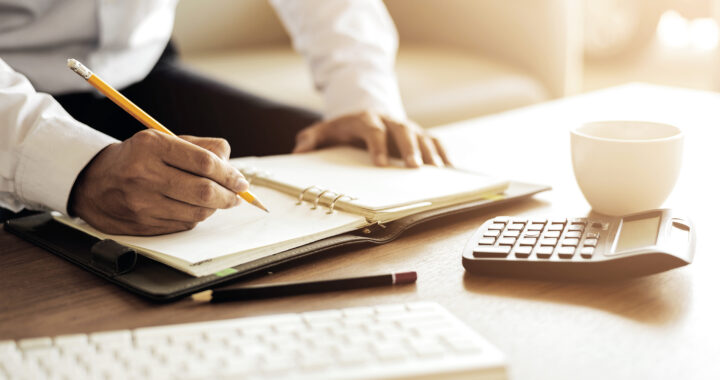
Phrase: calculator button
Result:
[558,221]
[592,235]
[556,227]
[566,252]
[531,234]
[573,234]
[492,252]
[548,241]
[516,226]
[496,226]
[535,227]
[491,233]
[507,241]
[587,252]
[570,242]
[511,234]
[576,227]
[486,241]
[528,241]
[538,221]
[544,252]
[590,242]
[523,251]
[552,234]
[501,219]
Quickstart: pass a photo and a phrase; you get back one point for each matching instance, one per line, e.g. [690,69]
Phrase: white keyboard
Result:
[381,342]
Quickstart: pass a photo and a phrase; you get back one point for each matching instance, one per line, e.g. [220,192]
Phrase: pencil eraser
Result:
[405,277]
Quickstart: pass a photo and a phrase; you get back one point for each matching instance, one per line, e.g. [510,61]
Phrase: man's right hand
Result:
[154,183]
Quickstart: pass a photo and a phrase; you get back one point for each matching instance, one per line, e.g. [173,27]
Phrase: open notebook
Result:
[340,189]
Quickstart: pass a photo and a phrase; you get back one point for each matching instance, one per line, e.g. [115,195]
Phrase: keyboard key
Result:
[549,241]
[544,252]
[492,252]
[523,251]
[566,252]
[528,241]
[491,233]
[556,227]
[536,227]
[531,234]
[587,252]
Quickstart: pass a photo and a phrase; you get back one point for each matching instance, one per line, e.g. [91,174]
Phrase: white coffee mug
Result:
[626,166]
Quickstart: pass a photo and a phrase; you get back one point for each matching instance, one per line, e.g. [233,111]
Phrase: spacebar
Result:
[490,251]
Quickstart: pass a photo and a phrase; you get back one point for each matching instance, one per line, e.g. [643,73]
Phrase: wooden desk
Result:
[661,326]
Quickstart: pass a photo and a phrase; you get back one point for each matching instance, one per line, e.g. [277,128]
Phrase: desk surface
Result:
[661,326]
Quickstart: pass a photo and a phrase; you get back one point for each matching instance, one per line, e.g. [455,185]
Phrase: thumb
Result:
[307,139]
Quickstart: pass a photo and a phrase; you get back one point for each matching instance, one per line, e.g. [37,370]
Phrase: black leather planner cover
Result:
[160,282]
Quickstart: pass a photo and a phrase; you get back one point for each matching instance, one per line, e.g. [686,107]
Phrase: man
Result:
[63,152]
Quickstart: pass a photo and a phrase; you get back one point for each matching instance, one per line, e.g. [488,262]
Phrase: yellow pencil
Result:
[136,112]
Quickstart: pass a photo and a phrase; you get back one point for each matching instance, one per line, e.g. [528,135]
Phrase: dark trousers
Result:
[190,104]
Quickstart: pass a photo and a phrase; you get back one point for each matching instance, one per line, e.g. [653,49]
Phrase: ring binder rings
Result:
[159,282]
[302,194]
[331,208]
[317,199]
[231,237]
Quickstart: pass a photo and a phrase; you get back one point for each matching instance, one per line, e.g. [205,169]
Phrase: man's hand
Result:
[413,144]
[154,183]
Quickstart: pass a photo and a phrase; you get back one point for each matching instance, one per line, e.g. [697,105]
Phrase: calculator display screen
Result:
[638,233]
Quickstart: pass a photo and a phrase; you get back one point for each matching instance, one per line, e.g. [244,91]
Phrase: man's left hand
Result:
[379,133]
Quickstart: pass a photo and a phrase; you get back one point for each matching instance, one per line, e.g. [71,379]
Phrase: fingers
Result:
[219,146]
[407,142]
[197,191]
[440,149]
[308,138]
[201,162]
[376,140]
[428,150]
[169,209]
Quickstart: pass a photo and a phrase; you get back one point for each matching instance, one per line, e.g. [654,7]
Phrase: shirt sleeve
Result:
[350,46]
[42,148]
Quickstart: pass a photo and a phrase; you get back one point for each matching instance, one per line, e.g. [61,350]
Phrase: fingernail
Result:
[241,184]
[413,161]
[381,159]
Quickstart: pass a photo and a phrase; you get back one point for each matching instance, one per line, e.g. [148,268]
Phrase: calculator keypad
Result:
[545,238]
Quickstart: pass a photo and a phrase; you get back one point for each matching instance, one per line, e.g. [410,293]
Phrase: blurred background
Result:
[466,58]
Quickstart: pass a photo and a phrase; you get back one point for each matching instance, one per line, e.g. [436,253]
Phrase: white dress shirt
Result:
[350,46]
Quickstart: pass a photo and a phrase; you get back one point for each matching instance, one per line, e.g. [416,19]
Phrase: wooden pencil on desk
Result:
[297,288]
[142,116]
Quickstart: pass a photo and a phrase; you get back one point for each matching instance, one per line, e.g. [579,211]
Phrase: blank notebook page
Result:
[244,228]
[349,171]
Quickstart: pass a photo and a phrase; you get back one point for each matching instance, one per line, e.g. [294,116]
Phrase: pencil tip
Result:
[260,206]
[205,296]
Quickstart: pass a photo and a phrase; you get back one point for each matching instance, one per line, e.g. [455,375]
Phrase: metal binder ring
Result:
[331,208]
[302,194]
[317,199]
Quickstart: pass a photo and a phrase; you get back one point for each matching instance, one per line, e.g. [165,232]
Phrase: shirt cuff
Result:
[52,158]
[354,91]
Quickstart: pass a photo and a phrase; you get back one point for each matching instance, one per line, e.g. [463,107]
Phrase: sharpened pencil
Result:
[116,97]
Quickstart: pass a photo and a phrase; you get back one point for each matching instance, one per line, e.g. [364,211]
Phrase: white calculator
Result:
[586,248]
